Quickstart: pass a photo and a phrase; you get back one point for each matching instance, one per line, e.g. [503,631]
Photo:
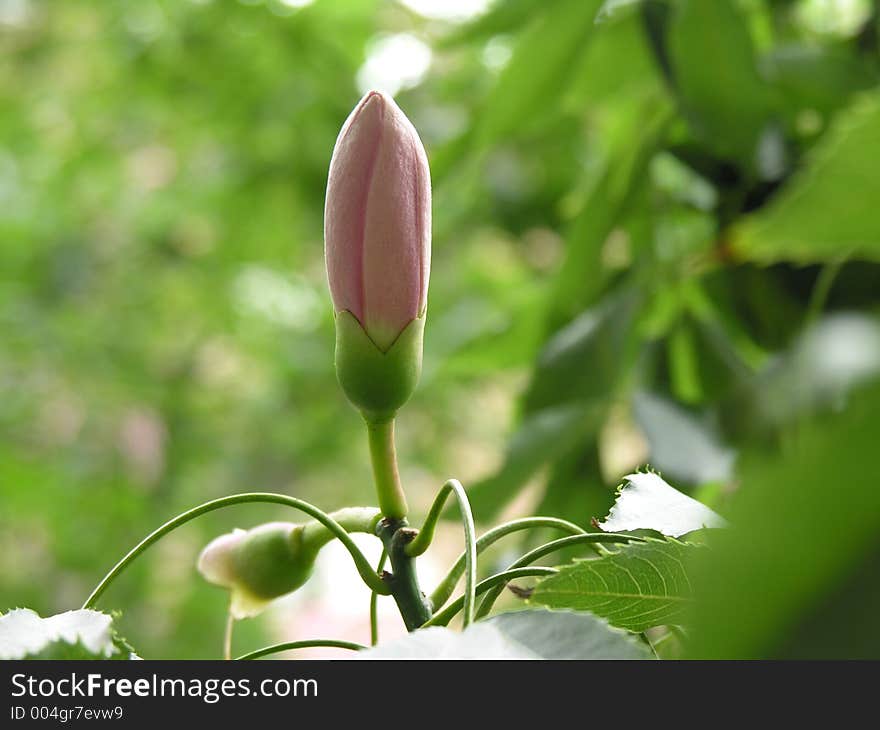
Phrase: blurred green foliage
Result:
[656,239]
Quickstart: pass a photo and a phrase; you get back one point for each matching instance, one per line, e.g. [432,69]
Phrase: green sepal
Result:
[378,383]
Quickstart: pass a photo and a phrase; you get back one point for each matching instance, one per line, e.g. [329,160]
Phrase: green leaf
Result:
[543,437]
[530,634]
[542,59]
[575,489]
[79,634]
[612,9]
[636,587]
[828,211]
[616,64]
[501,18]
[817,78]
[585,359]
[625,104]
[828,360]
[574,380]
[616,176]
[646,502]
[803,545]
[721,92]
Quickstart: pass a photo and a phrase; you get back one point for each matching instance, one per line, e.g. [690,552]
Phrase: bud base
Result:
[376,382]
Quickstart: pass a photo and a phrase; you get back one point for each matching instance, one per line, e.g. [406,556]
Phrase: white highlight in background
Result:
[393,63]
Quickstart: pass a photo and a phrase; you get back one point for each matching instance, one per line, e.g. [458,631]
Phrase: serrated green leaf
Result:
[646,502]
[530,634]
[828,211]
[636,587]
[79,634]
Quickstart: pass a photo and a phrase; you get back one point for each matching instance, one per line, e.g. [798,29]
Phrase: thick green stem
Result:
[403,583]
[446,586]
[392,500]
[591,539]
[363,567]
[305,644]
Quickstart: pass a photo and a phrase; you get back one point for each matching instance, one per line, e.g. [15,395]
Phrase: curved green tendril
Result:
[551,547]
[374,603]
[443,617]
[426,534]
[373,581]
[446,586]
[305,644]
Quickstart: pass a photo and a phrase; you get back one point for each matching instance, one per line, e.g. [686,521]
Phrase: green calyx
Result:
[376,382]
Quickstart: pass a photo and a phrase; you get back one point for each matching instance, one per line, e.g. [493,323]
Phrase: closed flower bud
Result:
[258,565]
[377,231]
[274,559]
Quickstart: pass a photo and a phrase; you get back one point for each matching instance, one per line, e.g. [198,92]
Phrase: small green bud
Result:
[259,565]
[274,559]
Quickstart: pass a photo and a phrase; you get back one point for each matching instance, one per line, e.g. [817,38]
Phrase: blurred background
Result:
[656,237]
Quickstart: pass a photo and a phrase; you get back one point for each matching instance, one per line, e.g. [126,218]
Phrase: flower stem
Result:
[373,581]
[392,500]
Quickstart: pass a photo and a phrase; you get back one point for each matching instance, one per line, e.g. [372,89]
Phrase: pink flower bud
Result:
[377,220]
